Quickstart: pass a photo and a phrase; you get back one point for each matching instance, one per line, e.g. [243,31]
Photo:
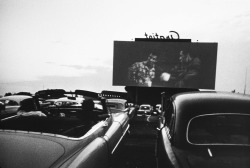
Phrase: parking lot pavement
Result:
[138,148]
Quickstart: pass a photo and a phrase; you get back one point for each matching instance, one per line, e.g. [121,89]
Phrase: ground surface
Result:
[138,149]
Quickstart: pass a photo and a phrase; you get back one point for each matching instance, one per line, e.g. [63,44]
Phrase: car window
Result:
[219,129]
[10,103]
[112,106]
[65,103]
[145,108]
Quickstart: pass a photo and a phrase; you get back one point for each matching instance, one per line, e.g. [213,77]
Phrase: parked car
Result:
[68,101]
[144,109]
[205,129]
[158,107]
[11,104]
[64,140]
[116,105]
[156,110]
[49,102]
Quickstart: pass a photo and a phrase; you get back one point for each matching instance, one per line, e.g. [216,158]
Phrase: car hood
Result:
[27,151]
[216,157]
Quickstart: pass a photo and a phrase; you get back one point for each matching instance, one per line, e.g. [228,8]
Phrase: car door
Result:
[10,107]
[165,154]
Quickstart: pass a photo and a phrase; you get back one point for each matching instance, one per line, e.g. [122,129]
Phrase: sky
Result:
[68,44]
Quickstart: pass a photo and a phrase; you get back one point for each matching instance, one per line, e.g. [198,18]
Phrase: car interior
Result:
[65,121]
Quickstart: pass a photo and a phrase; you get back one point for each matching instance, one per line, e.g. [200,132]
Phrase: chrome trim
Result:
[120,139]
[14,116]
[209,152]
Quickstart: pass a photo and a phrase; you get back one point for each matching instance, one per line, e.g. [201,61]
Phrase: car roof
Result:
[191,104]
[211,102]
[16,98]
[145,104]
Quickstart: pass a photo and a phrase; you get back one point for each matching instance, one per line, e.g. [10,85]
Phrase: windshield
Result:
[219,129]
[145,108]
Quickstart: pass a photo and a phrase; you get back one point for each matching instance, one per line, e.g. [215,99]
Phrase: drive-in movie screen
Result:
[165,64]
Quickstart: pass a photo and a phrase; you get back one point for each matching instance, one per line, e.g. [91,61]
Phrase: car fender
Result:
[94,155]
[113,136]
[166,156]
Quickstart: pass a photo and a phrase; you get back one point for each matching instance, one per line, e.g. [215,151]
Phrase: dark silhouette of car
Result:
[205,129]
[145,109]
[63,140]
[156,110]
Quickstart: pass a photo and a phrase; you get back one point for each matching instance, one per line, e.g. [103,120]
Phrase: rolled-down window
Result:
[219,129]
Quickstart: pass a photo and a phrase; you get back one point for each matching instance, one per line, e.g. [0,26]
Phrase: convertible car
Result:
[34,140]
[205,129]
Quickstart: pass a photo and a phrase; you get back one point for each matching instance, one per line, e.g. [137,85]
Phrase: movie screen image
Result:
[165,64]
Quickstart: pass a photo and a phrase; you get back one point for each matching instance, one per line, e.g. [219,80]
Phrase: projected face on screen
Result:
[143,73]
[165,64]
[186,74]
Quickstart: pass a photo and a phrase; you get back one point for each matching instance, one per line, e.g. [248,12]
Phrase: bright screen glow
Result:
[165,64]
